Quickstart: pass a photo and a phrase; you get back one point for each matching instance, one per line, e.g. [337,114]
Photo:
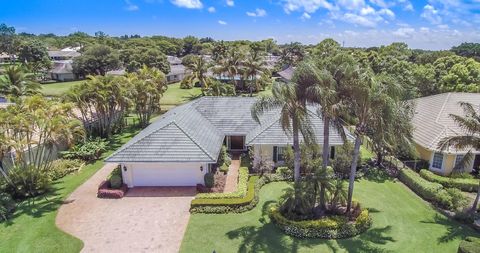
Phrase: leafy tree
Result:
[292,54]
[7,39]
[16,83]
[468,140]
[219,50]
[471,50]
[96,60]
[462,77]
[198,73]
[424,80]
[34,55]
[327,47]
[102,101]
[135,58]
[147,88]
[191,45]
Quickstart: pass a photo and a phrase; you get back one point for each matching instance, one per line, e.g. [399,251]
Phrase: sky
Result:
[426,24]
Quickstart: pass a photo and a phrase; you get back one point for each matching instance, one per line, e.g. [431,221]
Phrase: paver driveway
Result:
[146,220]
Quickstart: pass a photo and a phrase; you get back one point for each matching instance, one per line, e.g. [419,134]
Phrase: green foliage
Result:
[186,84]
[209,179]
[223,158]
[16,82]
[135,58]
[464,184]
[334,227]
[96,60]
[343,159]
[240,192]
[217,88]
[469,245]
[7,206]
[450,199]
[34,55]
[27,182]
[115,178]
[63,167]
[285,172]
[89,150]
[224,169]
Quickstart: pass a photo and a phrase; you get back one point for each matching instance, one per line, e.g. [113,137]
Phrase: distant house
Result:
[5,58]
[432,123]
[62,71]
[286,74]
[62,55]
[177,70]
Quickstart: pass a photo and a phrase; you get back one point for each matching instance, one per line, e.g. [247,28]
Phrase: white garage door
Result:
[172,174]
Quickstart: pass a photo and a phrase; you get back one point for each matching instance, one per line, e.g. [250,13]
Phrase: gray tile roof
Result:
[432,122]
[287,73]
[176,70]
[62,67]
[195,131]
[65,54]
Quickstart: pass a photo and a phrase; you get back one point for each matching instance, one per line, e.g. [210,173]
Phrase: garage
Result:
[163,174]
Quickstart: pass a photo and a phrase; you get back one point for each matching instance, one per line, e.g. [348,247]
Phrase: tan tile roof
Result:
[432,122]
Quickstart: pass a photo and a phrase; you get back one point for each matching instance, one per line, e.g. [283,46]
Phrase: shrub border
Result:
[336,227]
[464,184]
[240,192]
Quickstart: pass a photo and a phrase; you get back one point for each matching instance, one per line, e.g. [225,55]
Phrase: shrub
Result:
[446,198]
[105,192]
[63,167]
[469,245]
[285,172]
[464,175]
[87,151]
[185,84]
[224,169]
[7,206]
[240,192]
[28,182]
[464,184]
[209,179]
[115,178]
[334,227]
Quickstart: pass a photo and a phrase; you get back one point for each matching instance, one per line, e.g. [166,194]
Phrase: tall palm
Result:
[17,83]
[470,139]
[368,96]
[252,67]
[198,72]
[293,115]
[231,64]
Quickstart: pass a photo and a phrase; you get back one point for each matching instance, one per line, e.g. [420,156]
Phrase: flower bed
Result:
[235,205]
[464,184]
[105,192]
[334,227]
[240,192]
[450,198]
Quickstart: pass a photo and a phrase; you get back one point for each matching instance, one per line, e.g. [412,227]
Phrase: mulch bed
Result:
[220,180]
[105,192]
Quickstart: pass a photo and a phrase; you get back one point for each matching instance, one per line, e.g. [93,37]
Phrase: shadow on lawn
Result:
[455,230]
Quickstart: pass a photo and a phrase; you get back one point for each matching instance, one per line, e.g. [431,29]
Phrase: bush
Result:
[240,192]
[285,172]
[445,198]
[87,151]
[63,167]
[235,205]
[224,169]
[464,184]
[334,227]
[28,182]
[7,206]
[185,84]
[115,179]
[469,245]
[209,179]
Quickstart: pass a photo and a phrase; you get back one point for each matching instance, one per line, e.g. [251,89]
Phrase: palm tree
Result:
[16,83]
[368,96]
[470,124]
[293,115]
[199,68]
[231,64]
[253,66]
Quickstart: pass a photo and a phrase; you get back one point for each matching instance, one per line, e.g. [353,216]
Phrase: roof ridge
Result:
[441,109]
[192,139]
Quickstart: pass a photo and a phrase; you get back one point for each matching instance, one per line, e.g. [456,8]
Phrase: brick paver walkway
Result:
[232,175]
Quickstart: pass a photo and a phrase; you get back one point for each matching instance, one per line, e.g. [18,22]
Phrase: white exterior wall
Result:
[163,174]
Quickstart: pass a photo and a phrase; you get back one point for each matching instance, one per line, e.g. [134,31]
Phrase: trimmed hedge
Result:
[334,227]
[240,192]
[450,199]
[236,205]
[469,245]
[464,184]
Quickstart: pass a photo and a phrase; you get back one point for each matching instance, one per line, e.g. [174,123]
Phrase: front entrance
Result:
[236,143]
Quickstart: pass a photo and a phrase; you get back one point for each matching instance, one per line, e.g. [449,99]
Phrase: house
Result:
[181,146]
[5,58]
[60,55]
[432,123]
[62,70]
[286,75]
[177,70]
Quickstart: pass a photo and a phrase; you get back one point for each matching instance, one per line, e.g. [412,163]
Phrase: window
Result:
[437,160]
[281,154]
[458,159]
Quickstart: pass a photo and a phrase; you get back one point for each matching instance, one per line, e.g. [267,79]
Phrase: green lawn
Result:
[58,89]
[33,228]
[402,222]
[176,96]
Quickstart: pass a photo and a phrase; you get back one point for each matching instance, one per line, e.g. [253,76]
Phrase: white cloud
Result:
[431,14]
[211,9]
[189,4]
[222,22]
[367,10]
[257,13]
[230,3]
[387,12]
[309,6]
[131,6]
[305,16]
[351,4]
[358,20]
[404,32]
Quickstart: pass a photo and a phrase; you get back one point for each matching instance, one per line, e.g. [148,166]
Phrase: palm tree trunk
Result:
[475,203]
[325,156]
[353,171]
[296,149]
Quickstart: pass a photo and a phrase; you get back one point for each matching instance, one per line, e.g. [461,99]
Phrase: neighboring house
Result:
[432,123]
[62,71]
[180,147]
[62,55]
[177,70]
[286,74]
[5,58]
